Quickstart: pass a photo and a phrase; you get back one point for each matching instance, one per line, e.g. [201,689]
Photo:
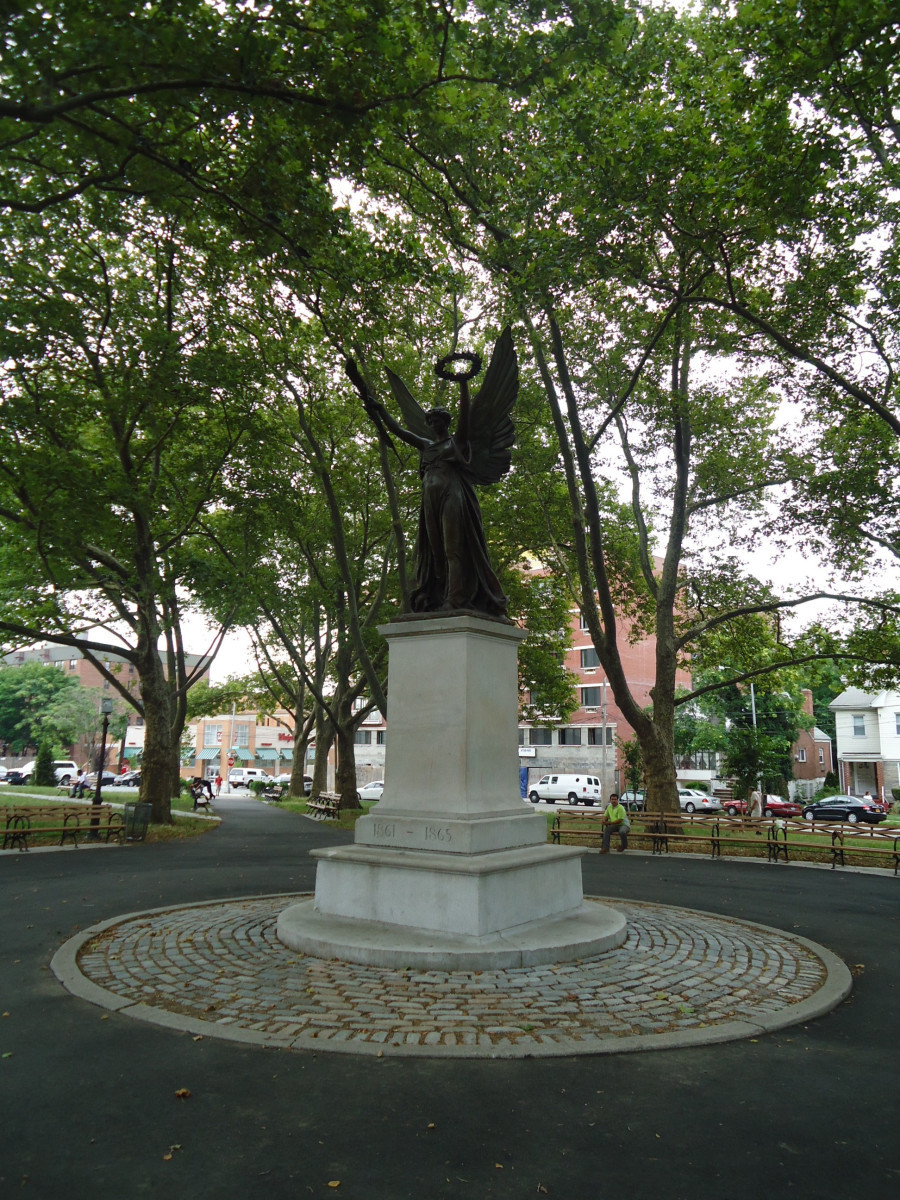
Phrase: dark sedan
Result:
[843,808]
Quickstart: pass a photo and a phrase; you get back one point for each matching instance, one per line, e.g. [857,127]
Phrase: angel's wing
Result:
[413,412]
[491,431]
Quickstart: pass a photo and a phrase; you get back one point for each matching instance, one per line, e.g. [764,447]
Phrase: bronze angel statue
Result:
[453,568]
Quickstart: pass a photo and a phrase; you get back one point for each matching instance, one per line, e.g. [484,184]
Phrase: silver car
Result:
[693,800]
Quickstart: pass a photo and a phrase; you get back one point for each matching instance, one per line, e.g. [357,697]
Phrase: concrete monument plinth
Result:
[451,868]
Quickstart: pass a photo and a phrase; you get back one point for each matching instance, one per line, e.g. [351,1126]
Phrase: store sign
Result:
[527,752]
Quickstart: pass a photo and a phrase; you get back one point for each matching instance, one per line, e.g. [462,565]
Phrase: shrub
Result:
[43,766]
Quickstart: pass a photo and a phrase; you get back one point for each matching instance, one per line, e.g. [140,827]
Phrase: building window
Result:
[821,757]
[591,697]
[582,622]
[570,736]
[595,735]
[859,725]
[801,756]
[212,735]
[242,734]
[380,737]
[539,737]
[521,737]
[363,737]
[589,658]
[897,722]
[73,663]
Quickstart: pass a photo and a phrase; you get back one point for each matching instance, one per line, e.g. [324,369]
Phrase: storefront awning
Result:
[132,751]
[266,752]
[210,753]
[287,755]
[242,754]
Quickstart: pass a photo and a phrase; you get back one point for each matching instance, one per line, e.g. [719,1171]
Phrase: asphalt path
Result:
[88,1103]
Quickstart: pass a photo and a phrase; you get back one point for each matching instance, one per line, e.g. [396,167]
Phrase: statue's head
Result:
[438,419]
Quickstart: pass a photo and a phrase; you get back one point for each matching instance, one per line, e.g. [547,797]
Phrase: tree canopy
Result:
[689,218]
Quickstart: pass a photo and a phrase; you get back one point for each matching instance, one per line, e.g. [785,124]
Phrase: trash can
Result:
[137,818]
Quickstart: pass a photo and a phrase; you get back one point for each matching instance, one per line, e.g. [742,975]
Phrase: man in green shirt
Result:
[615,820]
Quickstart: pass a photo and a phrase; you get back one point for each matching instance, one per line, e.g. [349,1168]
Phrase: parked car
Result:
[3,773]
[285,778]
[372,791]
[693,800]
[575,789]
[843,808]
[243,776]
[775,806]
[109,777]
[633,801]
[129,779]
[64,770]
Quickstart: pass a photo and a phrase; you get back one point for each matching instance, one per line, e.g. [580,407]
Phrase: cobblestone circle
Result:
[682,977]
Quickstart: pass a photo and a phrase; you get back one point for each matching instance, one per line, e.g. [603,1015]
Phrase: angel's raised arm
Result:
[405,435]
[378,413]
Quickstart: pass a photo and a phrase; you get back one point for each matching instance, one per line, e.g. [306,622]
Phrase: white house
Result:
[868,741]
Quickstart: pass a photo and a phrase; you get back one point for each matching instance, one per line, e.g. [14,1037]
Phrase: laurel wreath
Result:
[441,366]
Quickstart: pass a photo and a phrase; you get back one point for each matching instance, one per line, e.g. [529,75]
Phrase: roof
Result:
[853,698]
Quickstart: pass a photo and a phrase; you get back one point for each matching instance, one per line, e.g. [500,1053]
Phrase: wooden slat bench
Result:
[659,829]
[850,839]
[275,792]
[667,831]
[70,822]
[323,806]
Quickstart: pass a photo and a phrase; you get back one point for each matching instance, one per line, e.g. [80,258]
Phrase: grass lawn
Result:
[28,796]
[346,820]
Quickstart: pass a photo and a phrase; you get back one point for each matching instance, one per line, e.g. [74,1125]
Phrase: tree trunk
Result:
[324,738]
[659,768]
[345,772]
[298,763]
[160,761]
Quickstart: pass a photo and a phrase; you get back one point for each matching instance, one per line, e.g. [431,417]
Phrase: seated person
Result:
[615,820]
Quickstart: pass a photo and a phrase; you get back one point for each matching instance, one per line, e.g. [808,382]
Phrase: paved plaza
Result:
[681,978]
[97,1104]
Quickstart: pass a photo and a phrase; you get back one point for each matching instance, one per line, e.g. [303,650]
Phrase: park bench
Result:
[850,839]
[667,831]
[657,829]
[275,792]
[323,806]
[70,822]
[678,829]
[200,797]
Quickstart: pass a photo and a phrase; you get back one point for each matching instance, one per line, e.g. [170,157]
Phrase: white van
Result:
[242,776]
[63,768]
[576,789]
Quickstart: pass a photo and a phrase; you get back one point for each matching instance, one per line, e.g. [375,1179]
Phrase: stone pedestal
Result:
[451,867]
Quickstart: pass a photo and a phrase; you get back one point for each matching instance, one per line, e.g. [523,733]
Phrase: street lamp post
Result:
[106,707]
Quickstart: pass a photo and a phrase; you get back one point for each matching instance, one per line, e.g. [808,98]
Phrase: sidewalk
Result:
[89,1105]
